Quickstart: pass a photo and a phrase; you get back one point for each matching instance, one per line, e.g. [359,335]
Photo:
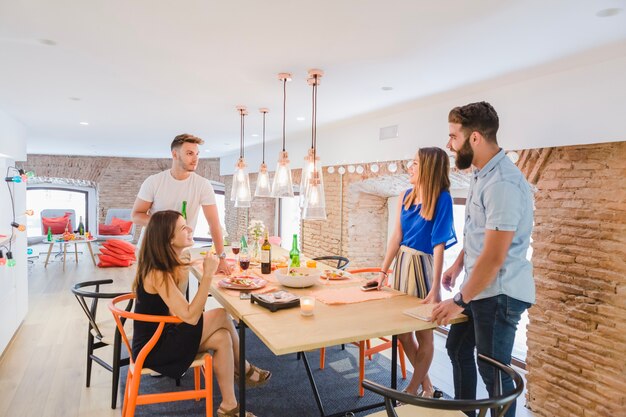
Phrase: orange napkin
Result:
[351,295]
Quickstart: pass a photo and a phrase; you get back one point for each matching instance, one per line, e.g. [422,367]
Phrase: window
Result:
[46,197]
[289,220]
[202,232]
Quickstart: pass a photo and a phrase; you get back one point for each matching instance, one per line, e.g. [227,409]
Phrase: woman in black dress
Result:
[160,285]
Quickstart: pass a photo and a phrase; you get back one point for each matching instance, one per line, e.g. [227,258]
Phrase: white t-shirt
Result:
[167,193]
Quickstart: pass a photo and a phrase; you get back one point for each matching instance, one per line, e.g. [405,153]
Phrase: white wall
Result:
[12,138]
[13,281]
[577,105]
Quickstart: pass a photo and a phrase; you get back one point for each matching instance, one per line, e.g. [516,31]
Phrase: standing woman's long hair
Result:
[156,252]
[433,177]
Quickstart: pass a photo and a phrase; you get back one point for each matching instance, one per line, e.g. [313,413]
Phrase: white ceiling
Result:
[141,71]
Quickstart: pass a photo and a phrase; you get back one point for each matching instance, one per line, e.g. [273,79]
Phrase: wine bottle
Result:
[266,256]
[184,210]
[294,254]
[244,243]
[49,234]
[81,226]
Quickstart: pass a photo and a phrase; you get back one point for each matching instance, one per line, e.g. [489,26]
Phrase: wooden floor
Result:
[42,372]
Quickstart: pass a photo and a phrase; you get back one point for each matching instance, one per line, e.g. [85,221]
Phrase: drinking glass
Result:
[244,260]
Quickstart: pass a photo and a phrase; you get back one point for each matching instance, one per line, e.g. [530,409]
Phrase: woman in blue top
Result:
[424,228]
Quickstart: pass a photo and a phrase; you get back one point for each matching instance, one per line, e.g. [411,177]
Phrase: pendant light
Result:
[241,181]
[314,199]
[263,184]
[282,186]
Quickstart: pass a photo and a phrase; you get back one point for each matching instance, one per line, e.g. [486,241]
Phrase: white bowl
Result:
[297,281]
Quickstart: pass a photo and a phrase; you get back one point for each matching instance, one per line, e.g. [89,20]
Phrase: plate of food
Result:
[333,274]
[242,282]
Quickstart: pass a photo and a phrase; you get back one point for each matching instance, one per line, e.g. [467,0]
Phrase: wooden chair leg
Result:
[196,381]
[322,358]
[368,343]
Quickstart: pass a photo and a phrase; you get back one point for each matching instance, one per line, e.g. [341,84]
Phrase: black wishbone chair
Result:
[341,262]
[500,403]
[101,331]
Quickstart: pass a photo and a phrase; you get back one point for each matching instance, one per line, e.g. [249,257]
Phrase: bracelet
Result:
[383,272]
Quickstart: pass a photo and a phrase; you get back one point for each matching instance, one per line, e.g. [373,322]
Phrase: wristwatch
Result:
[223,255]
[458,300]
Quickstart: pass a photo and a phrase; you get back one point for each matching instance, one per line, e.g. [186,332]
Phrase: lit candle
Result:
[307,305]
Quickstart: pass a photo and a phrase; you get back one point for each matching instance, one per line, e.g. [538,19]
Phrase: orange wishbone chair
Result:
[132,398]
[365,347]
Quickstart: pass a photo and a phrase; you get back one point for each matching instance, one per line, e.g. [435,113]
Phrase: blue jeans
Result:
[491,329]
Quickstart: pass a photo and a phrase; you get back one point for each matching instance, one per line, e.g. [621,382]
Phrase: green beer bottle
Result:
[184,210]
[294,254]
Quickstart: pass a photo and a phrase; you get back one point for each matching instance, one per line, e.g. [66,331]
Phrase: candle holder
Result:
[307,305]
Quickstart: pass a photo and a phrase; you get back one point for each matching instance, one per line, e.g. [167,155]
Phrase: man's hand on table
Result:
[223,267]
[445,311]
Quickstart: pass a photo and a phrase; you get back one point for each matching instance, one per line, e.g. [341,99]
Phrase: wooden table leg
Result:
[64,254]
[49,251]
[76,252]
[93,258]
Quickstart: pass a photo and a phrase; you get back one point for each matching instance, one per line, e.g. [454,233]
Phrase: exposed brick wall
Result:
[577,333]
[117,179]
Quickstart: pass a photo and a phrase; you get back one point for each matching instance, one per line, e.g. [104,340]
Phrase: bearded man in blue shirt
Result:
[498,285]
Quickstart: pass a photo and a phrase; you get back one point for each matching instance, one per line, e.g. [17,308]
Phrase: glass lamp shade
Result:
[263,183]
[315,201]
[307,170]
[241,184]
[282,185]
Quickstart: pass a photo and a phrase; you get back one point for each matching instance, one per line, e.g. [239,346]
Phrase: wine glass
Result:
[244,260]
[235,248]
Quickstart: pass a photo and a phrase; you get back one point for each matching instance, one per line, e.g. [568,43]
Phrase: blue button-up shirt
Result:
[500,198]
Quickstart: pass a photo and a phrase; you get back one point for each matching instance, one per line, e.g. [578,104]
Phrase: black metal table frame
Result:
[242,380]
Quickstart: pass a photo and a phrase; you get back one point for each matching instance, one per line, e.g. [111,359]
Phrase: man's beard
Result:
[464,156]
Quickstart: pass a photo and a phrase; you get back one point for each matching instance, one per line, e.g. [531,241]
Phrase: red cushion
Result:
[123,224]
[57,224]
[108,261]
[121,245]
[109,229]
[123,256]
[115,250]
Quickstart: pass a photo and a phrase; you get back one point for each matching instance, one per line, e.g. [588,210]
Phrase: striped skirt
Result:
[413,272]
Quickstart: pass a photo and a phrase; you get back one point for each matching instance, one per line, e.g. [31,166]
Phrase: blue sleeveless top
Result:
[423,235]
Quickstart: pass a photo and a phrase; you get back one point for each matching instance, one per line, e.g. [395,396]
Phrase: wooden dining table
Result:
[287,331]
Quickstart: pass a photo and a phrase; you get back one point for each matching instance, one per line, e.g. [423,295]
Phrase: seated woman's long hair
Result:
[156,252]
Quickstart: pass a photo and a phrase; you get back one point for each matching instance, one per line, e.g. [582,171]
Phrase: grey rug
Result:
[289,392]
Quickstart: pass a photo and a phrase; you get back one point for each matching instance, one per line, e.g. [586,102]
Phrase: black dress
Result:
[178,345]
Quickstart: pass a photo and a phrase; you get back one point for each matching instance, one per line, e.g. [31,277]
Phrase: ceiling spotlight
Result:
[331,170]
[300,119]
[84,123]
[207,150]
[386,88]
[359,169]
[374,168]
[609,12]
[341,170]
[392,167]
[255,135]
[351,169]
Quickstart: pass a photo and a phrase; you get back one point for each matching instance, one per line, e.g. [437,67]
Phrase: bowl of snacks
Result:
[297,277]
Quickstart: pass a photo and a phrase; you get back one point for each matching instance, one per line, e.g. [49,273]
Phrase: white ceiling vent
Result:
[389,132]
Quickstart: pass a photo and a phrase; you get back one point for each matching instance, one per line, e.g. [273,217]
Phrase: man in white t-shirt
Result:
[168,189]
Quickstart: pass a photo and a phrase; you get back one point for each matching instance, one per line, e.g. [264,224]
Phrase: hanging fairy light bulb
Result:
[29,212]
[282,185]
[10,260]
[240,192]
[314,200]
[18,226]
[3,260]
[263,185]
